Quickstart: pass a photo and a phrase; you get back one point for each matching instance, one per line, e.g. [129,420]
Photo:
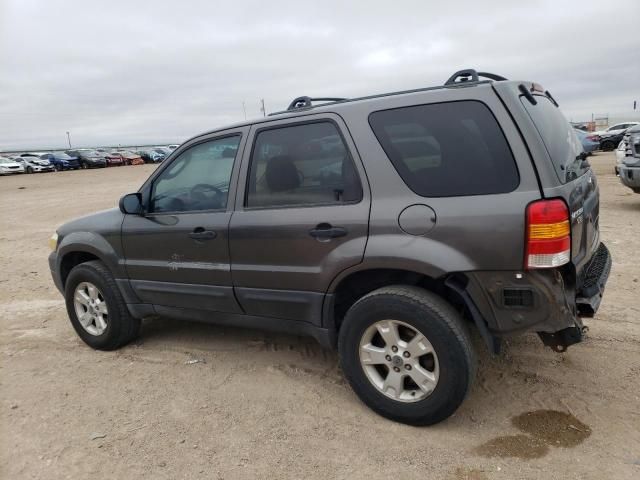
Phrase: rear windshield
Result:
[447,149]
[559,138]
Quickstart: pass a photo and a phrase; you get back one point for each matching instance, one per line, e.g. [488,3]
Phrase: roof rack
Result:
[305,102]
[459,78]
[470,75]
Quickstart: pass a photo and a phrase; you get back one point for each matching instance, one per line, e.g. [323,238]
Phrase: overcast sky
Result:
[125,72]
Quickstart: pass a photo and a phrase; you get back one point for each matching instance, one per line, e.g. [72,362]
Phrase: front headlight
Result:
[53,242]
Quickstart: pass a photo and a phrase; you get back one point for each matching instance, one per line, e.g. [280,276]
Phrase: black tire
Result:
[29,170]
[121,326]
[607,146]
[434,318]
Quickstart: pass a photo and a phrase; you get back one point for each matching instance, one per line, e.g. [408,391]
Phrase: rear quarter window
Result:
[558,136]
[447,149]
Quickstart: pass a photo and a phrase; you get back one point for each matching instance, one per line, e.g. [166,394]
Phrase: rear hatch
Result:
[577,182]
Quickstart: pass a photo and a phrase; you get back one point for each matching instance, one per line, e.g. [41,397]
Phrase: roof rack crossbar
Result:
[470,75]
[306,102]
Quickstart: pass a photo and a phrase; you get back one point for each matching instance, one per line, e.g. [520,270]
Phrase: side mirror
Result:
[131,203]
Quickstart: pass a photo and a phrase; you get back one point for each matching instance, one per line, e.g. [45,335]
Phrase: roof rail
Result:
[305,102]
[470,75]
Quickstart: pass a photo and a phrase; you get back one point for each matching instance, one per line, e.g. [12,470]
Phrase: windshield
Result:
[62,156]
[559,138]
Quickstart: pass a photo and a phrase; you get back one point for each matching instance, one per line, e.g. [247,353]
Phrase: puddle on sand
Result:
[520,446]
[543,429]
[557,429]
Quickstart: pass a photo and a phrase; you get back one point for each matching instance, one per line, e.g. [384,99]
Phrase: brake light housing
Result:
[548,234]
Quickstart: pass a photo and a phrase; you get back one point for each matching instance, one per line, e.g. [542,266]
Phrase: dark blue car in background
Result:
[62,161]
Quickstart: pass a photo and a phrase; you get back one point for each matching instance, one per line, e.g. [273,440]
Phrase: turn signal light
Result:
[548,234]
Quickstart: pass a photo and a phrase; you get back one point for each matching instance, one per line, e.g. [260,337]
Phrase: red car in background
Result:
[130,158]
[114,159]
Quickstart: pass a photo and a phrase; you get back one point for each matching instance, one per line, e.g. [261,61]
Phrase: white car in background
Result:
[615,129]
[9,167]
[620,153]
[34,164]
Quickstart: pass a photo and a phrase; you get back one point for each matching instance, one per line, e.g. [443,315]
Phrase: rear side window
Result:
[306,164]
[559,138]
[447,149]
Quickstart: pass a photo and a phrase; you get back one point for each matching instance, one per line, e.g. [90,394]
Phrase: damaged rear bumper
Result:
[550,302]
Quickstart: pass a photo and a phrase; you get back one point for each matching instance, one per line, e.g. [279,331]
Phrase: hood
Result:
[106,222]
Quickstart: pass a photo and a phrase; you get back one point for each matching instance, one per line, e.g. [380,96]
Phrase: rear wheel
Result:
[96,308]
[407,354]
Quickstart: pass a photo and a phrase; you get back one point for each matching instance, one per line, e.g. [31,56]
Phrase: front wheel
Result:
[407,354]
[96,308]
[29,170]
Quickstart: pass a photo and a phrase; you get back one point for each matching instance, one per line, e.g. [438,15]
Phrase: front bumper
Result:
[629,176]
[55,271]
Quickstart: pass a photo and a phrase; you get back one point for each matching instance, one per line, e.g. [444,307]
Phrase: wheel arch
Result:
[81,247]
[350,287]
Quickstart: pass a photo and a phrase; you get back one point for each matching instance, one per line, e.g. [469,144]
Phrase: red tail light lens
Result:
[548,234]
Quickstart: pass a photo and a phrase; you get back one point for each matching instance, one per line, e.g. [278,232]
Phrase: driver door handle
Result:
[202,234]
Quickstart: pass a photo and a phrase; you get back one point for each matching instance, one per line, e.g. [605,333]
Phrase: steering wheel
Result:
[199,192]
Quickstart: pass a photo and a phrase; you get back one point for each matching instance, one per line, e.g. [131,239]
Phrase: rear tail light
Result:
[548,234]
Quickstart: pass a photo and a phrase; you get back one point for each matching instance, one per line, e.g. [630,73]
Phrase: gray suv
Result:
[387,227]
[629,167]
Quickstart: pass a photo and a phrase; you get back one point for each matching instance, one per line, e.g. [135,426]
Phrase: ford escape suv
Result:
[386,226]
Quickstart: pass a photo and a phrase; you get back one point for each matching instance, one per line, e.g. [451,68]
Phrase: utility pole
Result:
[69,139]
[244,109]
[262,109]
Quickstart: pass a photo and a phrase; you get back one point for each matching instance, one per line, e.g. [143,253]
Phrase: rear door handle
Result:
[202,234]
[326,231]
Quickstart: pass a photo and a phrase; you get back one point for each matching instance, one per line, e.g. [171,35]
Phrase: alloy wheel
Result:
[91,308]
[399,361]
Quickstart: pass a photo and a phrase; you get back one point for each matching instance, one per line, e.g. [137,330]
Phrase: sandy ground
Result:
[260,405]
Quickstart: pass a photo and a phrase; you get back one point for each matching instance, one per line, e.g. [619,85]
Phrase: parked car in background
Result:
[609,141]
[590,142]
[151,156]
[10,167]
[34,164]
[163,150]
[130,158]
[88,158]
[617,128]
[61,161]
[620,153]
[629,168]
[113,159]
